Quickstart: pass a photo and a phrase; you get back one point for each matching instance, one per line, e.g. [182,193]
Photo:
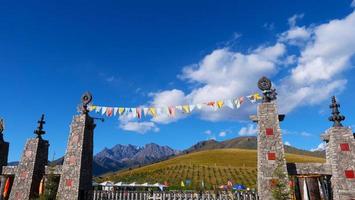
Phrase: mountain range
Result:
[130,156]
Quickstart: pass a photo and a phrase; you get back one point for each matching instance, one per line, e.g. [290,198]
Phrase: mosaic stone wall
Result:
[4,152]
[76,172]
[270,149]
[30,170]
[341,157]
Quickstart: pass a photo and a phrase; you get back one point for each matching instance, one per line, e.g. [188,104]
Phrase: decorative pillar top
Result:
[2,127]
[336,117]
[265,86]
[85,99]
[39,132]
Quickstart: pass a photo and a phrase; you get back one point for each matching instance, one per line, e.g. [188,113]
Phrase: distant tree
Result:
[280,191]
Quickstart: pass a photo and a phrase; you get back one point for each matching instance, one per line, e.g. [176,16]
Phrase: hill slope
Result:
[214,167]
[247,142]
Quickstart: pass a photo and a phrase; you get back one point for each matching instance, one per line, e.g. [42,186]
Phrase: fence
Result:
[135,195]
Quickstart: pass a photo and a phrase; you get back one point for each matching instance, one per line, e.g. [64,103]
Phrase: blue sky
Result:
[171,52]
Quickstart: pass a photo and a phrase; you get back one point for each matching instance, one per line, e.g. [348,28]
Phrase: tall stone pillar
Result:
[4,147]
[31,168]
[340,155]
[76,177]
[4,153]
[271,159]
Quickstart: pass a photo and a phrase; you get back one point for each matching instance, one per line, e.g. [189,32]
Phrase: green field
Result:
[214,167]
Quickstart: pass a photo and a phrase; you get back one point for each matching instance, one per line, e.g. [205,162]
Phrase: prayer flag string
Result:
[171,111]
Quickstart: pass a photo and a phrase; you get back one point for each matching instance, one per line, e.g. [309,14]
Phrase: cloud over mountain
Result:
[309,76]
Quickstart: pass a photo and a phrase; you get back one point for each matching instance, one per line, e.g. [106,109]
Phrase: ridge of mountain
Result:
[245,142]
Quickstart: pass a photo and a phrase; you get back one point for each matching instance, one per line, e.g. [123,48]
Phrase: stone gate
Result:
[335,177]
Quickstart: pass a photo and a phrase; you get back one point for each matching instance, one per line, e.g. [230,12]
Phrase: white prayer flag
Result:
[115,111]
[134,112]
[103,110]
[179,107]
[229,103]
[145,111]
[192,107]
[98,108]
[199,106]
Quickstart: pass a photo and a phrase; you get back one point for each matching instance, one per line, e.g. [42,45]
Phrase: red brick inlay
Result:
[269,131]
[271,156]
[69,182]
[349,174]
[344,147]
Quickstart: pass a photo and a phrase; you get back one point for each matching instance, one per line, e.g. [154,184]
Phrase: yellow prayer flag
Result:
[257,96]
[153,111]
[186,108]
[220,103]
[92,107]
[120,111]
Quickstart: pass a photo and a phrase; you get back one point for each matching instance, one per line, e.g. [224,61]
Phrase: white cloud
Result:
[269,26]
[320,147]
[306,134]
[287,143]
[222,134]
[208,132]
[248,130]
[296,36]
[130,123]
[168,98]
[293,20]
[316,71]
[319,70]
[353,4]
[226,74]
[139,127]
[110,79]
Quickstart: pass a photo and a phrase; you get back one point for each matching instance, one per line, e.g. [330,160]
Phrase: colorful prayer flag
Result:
[145,111]
[103,110]
[191,107]
[139,112]
[153,111]
[199,106]
[229,103]
[186,108]
[220,103]
[171,111]
[120,110]
[109,112]
[115,111]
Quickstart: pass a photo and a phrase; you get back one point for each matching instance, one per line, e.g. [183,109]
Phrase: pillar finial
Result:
[336,116]
[39,131]
[265,86]
[85,100]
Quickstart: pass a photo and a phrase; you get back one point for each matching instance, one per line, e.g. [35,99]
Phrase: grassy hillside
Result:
[215,167]
[246,142]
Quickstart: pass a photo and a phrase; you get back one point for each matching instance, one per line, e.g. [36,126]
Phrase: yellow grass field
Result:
[213,167]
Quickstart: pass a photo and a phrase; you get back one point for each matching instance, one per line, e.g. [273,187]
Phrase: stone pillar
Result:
[340,151]
[271,163]
[76,177]
[341,154]
[4,152]
[270,149]
[30,170]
